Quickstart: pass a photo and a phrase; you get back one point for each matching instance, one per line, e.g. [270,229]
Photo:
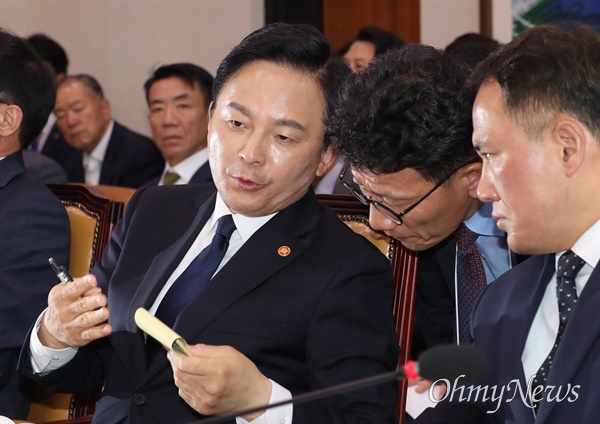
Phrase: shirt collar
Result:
[100,150]
[188,167]
[587,247]
[482,222]
[329,180]
[245,225]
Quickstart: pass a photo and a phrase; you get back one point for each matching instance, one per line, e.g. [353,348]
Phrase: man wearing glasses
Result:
[404,127]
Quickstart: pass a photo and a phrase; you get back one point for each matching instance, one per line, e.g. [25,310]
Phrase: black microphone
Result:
[441,362]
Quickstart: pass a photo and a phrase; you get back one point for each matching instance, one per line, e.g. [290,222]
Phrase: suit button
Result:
[139,399]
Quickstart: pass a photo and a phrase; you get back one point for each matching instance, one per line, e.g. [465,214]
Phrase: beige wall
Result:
[121,41]
[444,20]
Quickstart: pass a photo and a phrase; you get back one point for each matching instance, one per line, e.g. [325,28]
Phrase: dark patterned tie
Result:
[569,265]
[197,275]
[470,280]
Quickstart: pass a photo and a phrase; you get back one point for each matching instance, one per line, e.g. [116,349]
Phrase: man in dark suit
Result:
[367,44]
[33,223]
[108,153]
[410,152]
[536,123]
[298,301]
[50,141]
[178,96]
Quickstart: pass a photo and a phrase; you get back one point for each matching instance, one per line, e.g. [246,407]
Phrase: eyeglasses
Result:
[396,218]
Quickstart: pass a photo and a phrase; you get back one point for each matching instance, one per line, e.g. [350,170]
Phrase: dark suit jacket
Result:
[131,159]
[201,176]
[501,323]
[435,304]
[49,171]
[57,148]
[315,318]
[33,227]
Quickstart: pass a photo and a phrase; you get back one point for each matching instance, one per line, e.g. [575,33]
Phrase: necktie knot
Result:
[225,226]
[569,265]
[170,177]
[465,237]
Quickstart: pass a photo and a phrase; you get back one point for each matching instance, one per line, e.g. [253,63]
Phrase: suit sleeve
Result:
[351,337]
[34,226]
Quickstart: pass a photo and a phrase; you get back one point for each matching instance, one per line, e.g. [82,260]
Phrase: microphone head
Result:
[451,361]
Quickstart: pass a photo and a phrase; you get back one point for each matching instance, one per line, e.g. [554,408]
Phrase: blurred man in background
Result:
[107,152]
[179,96]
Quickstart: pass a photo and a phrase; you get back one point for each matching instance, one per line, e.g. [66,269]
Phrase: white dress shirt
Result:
[45,359]
[43,136]
[92,162]
[544,327]
[186,168]
[329,180]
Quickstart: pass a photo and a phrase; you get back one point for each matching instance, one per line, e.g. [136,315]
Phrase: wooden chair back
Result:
[121,194]
[404,265]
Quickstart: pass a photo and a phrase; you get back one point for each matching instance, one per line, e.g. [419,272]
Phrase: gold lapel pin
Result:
[284,251]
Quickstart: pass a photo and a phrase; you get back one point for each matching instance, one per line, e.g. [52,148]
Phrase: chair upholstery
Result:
[92,217]
[404,264]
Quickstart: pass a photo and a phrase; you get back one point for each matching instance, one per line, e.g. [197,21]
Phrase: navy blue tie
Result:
[197,275]
[569,265]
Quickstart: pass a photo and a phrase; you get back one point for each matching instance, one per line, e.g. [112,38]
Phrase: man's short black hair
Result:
[26,82]
[472,48]
[192,74]
[382,39]
[410,108]
[547,70]
[51,52]
[297,46]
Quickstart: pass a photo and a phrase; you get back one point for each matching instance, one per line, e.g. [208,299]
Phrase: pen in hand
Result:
[60,271]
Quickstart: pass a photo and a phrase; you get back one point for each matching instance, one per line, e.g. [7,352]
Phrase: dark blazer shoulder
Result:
[131,159]
[202,175]
[516,283]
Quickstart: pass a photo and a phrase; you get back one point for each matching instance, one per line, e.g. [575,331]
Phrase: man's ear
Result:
[211,111]
[105,107]
[328,159]
[571,138]
[472,173]
[11,117]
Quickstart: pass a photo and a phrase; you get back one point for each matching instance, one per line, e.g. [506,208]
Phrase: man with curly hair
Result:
[404,127]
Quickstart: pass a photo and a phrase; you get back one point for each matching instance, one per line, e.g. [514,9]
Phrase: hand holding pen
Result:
[76,313]
[60,271]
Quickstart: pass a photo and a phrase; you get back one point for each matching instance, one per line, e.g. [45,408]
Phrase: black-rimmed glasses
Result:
[396,218]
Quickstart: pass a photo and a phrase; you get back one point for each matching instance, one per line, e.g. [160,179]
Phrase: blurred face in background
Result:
[81,115]
[359,55]
[178,118]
